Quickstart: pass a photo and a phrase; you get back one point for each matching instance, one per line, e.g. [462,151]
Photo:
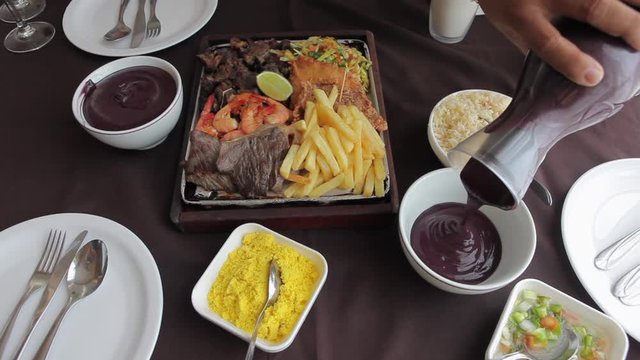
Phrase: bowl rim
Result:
[221,257]
[405,239]
[566,300]
[431,136]
[78,96]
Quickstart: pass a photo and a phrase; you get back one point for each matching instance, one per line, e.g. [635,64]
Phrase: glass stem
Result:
[24,29]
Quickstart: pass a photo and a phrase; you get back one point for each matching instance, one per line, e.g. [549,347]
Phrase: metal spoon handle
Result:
[123,6]
[254,337]
[46,344]
[514,356]
[610,256]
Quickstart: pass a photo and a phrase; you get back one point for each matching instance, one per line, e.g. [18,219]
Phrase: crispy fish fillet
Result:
[308,73]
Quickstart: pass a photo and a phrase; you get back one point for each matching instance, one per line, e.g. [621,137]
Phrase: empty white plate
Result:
[601,207]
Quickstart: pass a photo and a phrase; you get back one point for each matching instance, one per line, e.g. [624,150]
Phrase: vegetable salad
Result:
[328,50]
[536,322]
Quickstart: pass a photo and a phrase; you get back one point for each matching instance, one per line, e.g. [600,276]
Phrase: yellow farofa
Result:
[240,290]
[459,116]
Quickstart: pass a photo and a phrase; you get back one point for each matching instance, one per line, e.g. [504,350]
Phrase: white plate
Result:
[120,320]
[602,206]
[86,21]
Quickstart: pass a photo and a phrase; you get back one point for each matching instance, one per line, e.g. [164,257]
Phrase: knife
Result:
[139,26]
[59,272]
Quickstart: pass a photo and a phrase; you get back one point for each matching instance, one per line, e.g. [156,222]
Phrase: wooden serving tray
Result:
[295,215]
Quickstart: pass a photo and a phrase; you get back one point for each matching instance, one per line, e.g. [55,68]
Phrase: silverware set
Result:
[627,288]
[83,271]
[141,27]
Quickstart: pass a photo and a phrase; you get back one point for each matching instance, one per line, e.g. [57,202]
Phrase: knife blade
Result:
[59,272]
[139,26]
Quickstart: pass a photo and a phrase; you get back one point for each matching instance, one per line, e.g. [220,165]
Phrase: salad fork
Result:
[153,25]
[38,280]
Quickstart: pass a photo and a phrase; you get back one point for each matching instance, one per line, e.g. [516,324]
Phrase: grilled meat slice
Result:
[252,161]
[200,167]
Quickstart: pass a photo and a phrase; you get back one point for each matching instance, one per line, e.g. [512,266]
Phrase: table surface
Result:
[373,305]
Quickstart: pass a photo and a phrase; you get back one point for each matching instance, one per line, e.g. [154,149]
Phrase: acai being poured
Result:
[498,162]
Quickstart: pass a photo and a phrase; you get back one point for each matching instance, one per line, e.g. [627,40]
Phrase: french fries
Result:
[340,151]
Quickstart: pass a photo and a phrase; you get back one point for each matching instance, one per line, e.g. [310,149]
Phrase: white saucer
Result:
[120,320]
[85,23]
[601,207]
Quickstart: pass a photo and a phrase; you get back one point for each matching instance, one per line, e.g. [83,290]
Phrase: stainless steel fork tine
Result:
[46,254]
[51,259]
[56,248]
[58,252]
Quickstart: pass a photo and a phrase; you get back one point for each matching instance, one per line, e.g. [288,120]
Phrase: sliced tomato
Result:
[530,341]
[549,322]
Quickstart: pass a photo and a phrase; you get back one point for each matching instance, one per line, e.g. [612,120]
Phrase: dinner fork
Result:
[38,280]
[153,25]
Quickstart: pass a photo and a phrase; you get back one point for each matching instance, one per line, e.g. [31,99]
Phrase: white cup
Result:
[449,20]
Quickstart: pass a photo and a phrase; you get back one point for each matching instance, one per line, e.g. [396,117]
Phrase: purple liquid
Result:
[457,241]
[129,98]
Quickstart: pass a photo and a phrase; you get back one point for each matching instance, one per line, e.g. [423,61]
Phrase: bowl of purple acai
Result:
[459,248]
[130,103]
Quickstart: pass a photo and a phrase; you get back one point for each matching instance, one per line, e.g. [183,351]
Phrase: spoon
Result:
[273,291]
[120,30]
[566,348]
[85,275]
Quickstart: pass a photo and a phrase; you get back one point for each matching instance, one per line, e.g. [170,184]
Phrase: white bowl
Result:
[142,137]
[515,227]
[202,287]
[433,141]
[598,323]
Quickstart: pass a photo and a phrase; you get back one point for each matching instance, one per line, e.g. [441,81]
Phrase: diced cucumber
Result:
[544,300]
[518,316]
[580,330]
[529,295]
[585,352]
[556,308]
[541,311]
[540,334]
[587,341]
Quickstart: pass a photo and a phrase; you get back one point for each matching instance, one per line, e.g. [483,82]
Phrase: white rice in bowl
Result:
[461,114]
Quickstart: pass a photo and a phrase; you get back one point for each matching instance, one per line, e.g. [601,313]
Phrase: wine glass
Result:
[27,36]
[27,8]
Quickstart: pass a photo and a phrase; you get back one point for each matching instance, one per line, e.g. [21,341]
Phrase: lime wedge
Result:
[274,85]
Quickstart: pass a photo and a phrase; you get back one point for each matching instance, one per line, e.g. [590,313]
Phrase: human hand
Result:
[528,24]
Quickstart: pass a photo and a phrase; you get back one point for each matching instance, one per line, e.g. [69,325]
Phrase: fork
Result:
[38,280]
[153,25]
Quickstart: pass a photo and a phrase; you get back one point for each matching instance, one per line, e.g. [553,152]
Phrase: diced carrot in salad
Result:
[536,322]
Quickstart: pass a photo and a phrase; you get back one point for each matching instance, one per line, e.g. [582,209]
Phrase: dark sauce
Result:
[457,241]
[129,98]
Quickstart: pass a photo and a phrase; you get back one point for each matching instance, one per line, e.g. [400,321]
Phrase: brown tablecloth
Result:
[373,305]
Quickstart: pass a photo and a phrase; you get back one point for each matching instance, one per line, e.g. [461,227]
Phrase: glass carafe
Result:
[498,162]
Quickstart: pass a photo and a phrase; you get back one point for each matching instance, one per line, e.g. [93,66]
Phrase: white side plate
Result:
[601,207]
[85,23]
[120,320]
